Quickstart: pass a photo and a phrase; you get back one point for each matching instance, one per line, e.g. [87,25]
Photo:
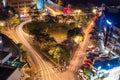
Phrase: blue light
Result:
[40,4]
[99,67]
[108,64]
[108,22]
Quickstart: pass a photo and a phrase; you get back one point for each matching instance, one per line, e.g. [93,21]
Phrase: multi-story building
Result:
[109,29]
[9,73]
[4,56]
[10,64]
[21,6]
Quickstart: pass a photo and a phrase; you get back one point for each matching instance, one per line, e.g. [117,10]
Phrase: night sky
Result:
[95,2]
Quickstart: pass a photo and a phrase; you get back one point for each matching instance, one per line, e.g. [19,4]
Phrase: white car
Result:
[103,55]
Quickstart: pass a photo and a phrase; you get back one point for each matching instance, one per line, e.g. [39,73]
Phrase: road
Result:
[80,53]
[53,11]
[43,69]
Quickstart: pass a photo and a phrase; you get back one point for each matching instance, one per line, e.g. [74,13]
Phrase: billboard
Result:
[67,10]
[40,4]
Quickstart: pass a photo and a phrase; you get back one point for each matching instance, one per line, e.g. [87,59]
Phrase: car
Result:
[103,55]
[88,61]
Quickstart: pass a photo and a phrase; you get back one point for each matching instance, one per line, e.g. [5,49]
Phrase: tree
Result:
[67,18]
[24,54]
[50,20]
[60,3]
[12,21]
[73,32]
[55,52]
[69,45]
[20,46]
[60,53]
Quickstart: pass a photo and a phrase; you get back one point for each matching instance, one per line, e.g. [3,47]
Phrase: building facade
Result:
[10,63]
[109,29]
[0,4]
[23,6]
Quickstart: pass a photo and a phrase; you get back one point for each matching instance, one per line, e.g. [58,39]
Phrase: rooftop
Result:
[3,54]
[108,64]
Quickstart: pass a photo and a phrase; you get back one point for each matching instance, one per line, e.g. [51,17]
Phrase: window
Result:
[14,3]
[116,32]
[118,51]
[28,5]
[21,6]
[21,2]
[28,1]
[15,6]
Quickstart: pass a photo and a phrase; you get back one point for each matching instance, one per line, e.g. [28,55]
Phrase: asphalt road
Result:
[43,69]
[80,53]
[53,11]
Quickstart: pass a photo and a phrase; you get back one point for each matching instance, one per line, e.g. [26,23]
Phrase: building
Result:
[1,5]
[107,70]
[4,56]
[109,29]
[10,64]
[23,6]
[4,3]
[9,73]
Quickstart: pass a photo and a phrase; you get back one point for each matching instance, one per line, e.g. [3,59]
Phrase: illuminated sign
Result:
[40,4]
[67,10]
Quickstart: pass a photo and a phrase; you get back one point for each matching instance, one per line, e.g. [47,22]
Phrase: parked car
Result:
[103,55]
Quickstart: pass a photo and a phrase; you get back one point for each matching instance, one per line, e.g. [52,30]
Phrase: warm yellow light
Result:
[94,11]
[2,23]
[25,10]
[78,11]
[78,39]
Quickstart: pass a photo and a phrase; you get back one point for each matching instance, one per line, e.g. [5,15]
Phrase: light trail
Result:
[80,53]
[40,65]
